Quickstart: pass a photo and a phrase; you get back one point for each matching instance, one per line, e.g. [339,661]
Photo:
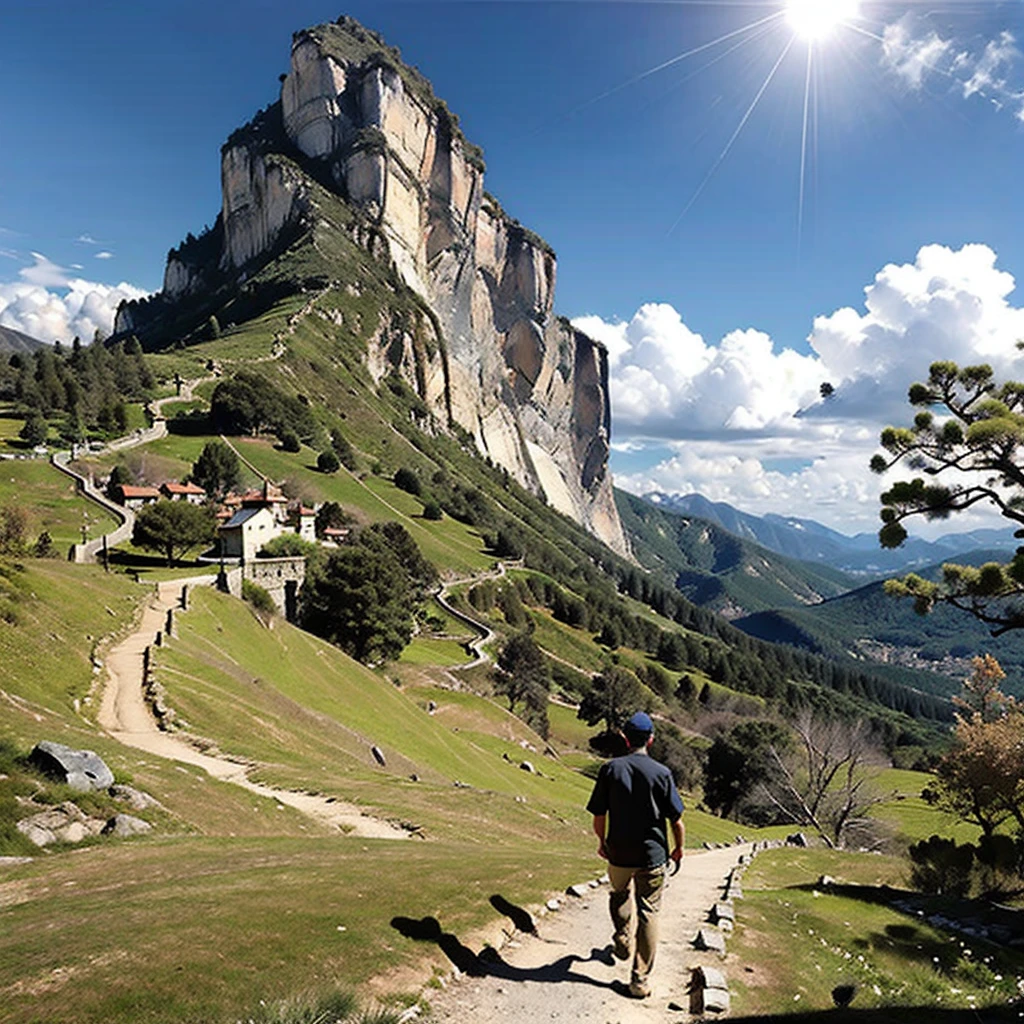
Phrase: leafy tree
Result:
[289,441]
[173,527]
[977,438]
[44,546]
[13,529]
[217,470]
[739,762]
[212,328]
[523,676]
[362,600]
[119,475]
[345,452]
[394,539]
[327,462]
[982,778]
[432,510]
[407,480]
[35,429]
[331,515]
[613,696]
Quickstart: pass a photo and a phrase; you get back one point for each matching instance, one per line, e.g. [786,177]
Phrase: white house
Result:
[192,493]
[247,531]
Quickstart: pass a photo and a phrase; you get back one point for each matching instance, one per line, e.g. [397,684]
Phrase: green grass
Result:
[310,715]
[911,816]
[428,651]
[449,544]
[52,502]
[112,936]
[801,942]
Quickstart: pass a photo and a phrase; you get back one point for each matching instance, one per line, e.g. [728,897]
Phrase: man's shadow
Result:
[489,962]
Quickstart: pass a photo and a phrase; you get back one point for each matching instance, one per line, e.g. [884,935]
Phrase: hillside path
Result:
[126,716]
[565,973]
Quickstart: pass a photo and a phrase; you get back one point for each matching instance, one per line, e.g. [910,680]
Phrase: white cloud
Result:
[913,53]
[910,57]
[50,304]
[104,255]
[86,240]
[724,417]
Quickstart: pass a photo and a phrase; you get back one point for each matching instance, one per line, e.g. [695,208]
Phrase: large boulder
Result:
[126,825]
[82,770]
[62,824]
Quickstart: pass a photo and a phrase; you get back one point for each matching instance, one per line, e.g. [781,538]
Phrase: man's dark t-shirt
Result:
[638,794]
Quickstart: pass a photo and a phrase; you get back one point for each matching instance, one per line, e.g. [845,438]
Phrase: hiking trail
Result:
[126,716]
[566,971]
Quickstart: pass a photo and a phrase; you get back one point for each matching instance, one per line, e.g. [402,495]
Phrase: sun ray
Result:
[803,148]
[636,79]
[735,135]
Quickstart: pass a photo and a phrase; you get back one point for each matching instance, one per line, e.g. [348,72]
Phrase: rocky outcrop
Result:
[529,388]
[82,770]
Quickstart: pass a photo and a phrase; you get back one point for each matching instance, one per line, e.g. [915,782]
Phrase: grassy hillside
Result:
[719,570]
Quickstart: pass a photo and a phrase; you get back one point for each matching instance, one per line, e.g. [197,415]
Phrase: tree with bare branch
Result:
[827,784]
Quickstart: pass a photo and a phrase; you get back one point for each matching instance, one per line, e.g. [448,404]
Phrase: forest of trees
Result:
[87,387]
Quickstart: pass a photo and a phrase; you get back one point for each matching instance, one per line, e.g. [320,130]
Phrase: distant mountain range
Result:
[717,569]
[810,541]
[12,341]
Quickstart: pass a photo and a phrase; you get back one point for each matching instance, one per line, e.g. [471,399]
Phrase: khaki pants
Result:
[645,891]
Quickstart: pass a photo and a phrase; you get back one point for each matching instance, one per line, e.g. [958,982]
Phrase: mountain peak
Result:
[359,146]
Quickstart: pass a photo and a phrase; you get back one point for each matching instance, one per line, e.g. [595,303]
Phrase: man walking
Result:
[633,798]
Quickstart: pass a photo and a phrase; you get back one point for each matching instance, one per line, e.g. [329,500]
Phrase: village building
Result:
[303,521]
[192,493]
[134,497]
[247,531]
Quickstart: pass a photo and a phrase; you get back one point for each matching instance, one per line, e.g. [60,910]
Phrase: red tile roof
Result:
[172,487]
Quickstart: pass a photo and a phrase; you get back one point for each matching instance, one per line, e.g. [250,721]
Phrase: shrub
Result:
[432,511]
[328,462]
[289,441]
[259,598]
[407,480]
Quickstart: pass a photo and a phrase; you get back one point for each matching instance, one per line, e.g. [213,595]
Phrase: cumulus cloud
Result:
[724,418]
[914,53]
[105,254]
[51,304]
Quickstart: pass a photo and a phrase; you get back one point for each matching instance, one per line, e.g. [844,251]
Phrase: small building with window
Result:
[192,493]
[247,531]
[134,497]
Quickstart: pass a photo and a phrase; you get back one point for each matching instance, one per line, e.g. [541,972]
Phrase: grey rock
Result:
[135,798]
[528,767]
[726,926]
[733,892]
[82,770]
[126,825]
[825,881]
[711,939]
[580,889]
[553,904]
[378,756]
[10,862]
[710,977]
[715,1000]
[62,824]
[723,912]
[797,839]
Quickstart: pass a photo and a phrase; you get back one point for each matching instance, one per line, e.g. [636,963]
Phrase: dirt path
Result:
[126,716]
[565,974]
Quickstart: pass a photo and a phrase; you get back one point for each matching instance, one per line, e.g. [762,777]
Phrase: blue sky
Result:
[682,243]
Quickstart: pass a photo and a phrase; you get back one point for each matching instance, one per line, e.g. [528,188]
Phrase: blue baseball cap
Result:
[640,723]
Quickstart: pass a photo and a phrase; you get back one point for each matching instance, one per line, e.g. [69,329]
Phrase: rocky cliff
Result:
[530,388]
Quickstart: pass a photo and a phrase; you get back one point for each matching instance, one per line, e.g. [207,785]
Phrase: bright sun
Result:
[815,19]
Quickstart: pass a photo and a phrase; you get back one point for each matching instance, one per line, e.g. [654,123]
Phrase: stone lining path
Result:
[125,714]
[565,974]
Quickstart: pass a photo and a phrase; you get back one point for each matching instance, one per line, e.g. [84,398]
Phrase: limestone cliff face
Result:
[531,389]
